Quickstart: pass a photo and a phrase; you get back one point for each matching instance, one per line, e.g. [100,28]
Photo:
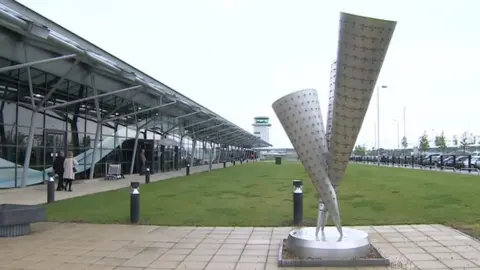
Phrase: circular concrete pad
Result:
[304,244]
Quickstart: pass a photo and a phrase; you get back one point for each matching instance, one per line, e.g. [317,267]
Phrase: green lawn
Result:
[260,194]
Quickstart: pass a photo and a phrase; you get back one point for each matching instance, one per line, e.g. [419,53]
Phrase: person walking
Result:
[58,169]
[70,168]
[143,161]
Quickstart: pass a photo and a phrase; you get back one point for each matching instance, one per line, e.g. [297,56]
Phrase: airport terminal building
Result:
[58,92]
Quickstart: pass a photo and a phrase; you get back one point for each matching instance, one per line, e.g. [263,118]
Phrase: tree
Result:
[466,140]
[455,140]
[423,144]
[441,142]
[404,143]
[359,150]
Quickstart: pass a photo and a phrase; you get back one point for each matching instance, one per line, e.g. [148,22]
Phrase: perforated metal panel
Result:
[362,46]
[301,117]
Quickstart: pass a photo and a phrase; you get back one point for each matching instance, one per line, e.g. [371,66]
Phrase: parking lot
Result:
[467,164]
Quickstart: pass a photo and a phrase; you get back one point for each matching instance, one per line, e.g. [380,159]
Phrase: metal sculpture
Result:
[324,152]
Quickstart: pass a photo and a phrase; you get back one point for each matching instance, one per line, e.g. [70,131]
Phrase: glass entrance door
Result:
[55,141]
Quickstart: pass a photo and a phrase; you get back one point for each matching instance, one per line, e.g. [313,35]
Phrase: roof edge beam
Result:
[201,122]
[199,132]
[142,111]
[92,97]
[179,117]
[214,132]
[32,63]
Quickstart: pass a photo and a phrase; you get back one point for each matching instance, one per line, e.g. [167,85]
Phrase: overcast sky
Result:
[237,57]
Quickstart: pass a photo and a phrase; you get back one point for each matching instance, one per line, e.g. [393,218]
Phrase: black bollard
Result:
[234,163]
[441,162]
[224,164]
[188,169]
[297,203]
[147,175]
[50,190]
[135,202]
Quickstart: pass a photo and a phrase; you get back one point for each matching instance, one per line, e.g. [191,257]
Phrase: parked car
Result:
[437,160]
[451,162]
[474,162]
[459,162]
[429,159]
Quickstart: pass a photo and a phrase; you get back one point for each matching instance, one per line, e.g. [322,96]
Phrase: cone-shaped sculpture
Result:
[362,46]
[301,118]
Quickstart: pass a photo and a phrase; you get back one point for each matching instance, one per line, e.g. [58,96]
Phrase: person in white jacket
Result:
[69,166]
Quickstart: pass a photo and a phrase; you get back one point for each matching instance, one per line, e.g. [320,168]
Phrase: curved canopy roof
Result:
[29,39]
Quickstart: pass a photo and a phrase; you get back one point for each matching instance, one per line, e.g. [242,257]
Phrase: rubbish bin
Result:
[278,160]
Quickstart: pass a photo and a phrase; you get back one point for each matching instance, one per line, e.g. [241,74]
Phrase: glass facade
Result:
[71,125]
[75,131]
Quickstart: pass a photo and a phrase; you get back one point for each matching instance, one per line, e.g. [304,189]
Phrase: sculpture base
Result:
[305,244]
[302,248]
[286,259]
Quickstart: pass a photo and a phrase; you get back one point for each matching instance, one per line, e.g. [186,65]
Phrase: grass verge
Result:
[260,194]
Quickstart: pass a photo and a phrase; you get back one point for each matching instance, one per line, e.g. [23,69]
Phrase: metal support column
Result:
[97,139]
[35,109]
[97,131]
[28,152]
[204,148]
[210,157]
[135,145]
[31,130]
[194,145]
[134,154]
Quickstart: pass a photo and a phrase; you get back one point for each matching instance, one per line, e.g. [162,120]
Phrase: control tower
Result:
[261,128]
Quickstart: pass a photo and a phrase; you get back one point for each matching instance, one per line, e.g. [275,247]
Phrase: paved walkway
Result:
[38,194]
[72,246]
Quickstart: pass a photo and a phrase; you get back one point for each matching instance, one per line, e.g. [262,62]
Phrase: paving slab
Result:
[94,246]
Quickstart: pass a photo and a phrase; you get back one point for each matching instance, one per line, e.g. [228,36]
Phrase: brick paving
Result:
[73,246]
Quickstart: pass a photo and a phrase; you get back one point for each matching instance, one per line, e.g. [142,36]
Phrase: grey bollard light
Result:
[135,203]
[147,175]
[50,190]
[297,202]
[188,169]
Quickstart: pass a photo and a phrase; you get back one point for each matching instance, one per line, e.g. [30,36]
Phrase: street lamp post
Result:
[378,122]
[404,128]
[398,133]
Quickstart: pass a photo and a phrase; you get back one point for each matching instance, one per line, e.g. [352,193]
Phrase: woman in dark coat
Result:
[58,169]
